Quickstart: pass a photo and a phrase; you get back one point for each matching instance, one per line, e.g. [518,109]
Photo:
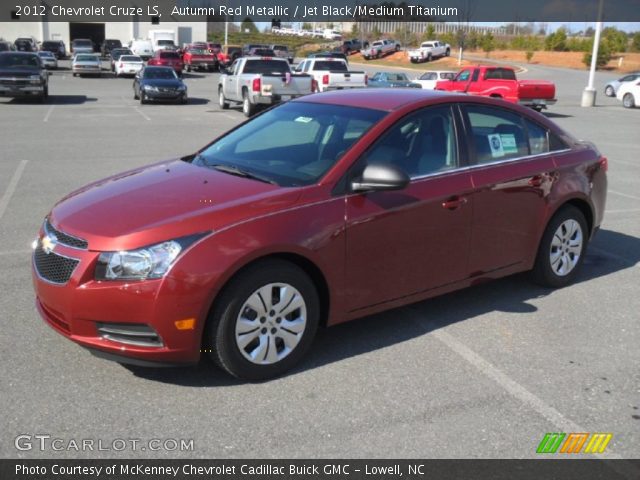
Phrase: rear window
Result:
[500,74]
[86,58]
[130,58]
[276,67]
[326,65]
[198,51]
[82,43]
[447,75]
[50,44]
[280,47]
[169,55]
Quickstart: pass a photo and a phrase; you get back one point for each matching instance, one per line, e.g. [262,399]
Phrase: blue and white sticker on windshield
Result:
[304,119]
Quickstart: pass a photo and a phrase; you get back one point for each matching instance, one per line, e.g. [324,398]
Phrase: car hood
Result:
[163,201]
[19,72]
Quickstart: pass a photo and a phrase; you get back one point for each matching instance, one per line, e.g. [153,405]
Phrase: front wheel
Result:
[562,248]
[628,101]
[222,101]
[264,321]
[609,91]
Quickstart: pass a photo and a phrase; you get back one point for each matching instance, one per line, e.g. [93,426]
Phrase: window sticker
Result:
[495,142]
[303,119]
[508,143]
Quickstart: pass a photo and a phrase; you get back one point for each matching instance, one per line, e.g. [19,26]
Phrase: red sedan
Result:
[374,199]
[167,58]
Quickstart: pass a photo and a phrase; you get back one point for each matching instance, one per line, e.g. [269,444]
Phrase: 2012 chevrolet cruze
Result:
[321,210]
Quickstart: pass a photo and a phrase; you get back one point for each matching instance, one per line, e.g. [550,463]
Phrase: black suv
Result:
[57,47]
[6,46]
[109,45]
[26,45]
[22,75]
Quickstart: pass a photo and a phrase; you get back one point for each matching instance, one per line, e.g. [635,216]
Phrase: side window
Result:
[476,74]
[420,144]
[306,67]
[538,138]
[463,76]
[497,134]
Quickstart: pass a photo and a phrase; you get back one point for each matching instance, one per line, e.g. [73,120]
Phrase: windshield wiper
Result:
[232,170]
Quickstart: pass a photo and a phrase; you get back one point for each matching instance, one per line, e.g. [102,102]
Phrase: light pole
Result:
[589,93]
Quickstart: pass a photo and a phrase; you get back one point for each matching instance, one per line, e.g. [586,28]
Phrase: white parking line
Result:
[144,115]
[626,195]
[4,201]
[46,117]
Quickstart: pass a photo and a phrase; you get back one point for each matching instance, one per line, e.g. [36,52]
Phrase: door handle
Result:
[536,181]
[454,203]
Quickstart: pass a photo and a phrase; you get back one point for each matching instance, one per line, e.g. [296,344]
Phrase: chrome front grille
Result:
[52,267]
[64,238]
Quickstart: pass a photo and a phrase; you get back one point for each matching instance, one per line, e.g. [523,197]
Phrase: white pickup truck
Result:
[331,74]
[429,50]
[380,48]
[255,81]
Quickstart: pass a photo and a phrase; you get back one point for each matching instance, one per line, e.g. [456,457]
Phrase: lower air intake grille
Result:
[52,267]
[130,333]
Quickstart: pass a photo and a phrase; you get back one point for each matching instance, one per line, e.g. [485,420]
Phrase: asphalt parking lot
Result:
[481,373]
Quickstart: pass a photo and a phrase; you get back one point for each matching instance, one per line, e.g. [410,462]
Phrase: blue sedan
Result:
[158,84]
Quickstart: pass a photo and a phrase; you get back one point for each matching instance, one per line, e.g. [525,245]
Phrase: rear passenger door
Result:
[512,172]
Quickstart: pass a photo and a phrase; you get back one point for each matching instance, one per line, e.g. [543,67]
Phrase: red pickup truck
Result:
[197,57]
[501,82]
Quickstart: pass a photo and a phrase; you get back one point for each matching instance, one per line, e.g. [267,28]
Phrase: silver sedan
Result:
[86,64]
[611,89]
[48,60]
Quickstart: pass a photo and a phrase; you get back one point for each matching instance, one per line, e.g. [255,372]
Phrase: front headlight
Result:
[182,88]
[35,78]
[150,88]
[143,263]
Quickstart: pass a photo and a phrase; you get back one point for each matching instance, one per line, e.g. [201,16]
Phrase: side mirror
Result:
[382,176]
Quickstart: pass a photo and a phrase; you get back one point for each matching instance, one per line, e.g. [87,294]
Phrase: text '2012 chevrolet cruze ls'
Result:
[321,210]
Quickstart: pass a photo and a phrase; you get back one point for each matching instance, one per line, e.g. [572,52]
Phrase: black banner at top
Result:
[463,11]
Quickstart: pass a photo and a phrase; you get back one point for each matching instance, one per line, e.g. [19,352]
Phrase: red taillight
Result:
[604,164]
[256,85]
[314,86]
[325,79]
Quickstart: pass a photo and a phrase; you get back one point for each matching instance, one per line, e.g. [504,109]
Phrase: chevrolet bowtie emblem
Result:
[49,242]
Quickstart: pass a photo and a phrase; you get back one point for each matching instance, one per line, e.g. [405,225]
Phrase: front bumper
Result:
[21,90]
[160,96]
[81,307]
[87,70]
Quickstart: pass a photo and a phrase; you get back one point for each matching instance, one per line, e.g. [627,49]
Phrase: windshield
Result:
[317,136]
[82,43]
[45,54]
[160,73]
[165,42]
[19,61]
[275,67]
[327,65]
[130,58]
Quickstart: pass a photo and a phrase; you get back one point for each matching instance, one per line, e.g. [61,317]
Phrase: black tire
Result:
[537,108]
[247,107]
[628,101]
[447,53]
[609,91]
[428,58]
[184,100]
[414,60]
[222,101]
[75,74]
[219,332]
[543,272]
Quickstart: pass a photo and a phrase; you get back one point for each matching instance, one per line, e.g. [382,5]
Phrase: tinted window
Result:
[420,144]
[538,138]
[82,43]
[476,74]
[86,58]
[497,134]
[130,58]
[463,76]
[266,66]
[329,65]
[500,74]
[317,136]
[9,60]
[160,73]
[169,55]
[447,75]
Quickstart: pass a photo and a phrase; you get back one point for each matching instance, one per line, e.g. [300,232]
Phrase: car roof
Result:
[31,54]
[379,98]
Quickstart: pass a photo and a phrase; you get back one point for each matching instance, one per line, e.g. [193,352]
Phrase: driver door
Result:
[402,243]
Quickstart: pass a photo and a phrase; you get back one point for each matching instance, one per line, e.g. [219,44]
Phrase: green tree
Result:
[355,29]
[306,26]
[247,25]
[487,43]
[557,41]
[615,39]
[429,33]
[635,42]
[604,55]
[529,55]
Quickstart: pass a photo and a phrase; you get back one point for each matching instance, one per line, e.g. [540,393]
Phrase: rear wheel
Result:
[562,248]
[264,321]
[247,107]
[628,101]
[447,53]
